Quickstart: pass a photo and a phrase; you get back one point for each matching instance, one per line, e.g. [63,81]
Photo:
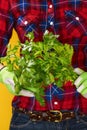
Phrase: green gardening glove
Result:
[6,78]
[81,82]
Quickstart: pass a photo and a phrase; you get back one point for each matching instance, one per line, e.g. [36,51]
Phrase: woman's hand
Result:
[6,77]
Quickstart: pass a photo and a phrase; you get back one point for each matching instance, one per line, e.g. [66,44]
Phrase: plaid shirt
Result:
[68,18]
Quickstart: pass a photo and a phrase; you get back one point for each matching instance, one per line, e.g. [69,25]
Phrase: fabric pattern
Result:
[67,18]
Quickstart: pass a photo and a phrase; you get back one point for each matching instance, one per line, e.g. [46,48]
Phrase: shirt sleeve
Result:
[6,25]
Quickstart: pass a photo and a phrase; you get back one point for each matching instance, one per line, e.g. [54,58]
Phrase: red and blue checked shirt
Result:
[67,18]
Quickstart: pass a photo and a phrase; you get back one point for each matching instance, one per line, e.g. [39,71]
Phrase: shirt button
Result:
[51,23]
[77,18]
[25,22]
[55,103]
[50,6]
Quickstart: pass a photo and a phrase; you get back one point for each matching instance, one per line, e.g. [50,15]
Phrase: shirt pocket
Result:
[76,23]
[24,24]
[28,22]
